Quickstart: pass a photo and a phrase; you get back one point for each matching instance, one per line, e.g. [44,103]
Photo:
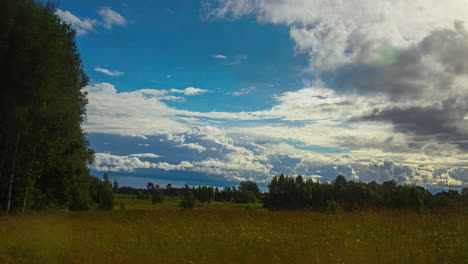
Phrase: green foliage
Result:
[115,187]
[43,150]
[102,194]
[157,195]
[294,193]
[247,197]
[142,196]
[249,186]
[188,201]
[205,194]
[247,192]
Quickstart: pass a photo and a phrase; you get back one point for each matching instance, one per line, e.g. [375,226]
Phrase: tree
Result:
[249,186]
[106,199]
[293,193]
[105,176]
[205,194]
[247,197]
[44,151]
[157,195]
[188,201]
[168,189]
[115,186]
[150,186]
[218,195]
[101,194]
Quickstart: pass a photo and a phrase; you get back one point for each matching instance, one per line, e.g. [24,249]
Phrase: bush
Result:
[157,196]
[188,201]
[247,197]
[142,196]
[106,197]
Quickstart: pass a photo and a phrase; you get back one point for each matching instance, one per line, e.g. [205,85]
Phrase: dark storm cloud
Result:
[449,119]
[432,66]
[427,86]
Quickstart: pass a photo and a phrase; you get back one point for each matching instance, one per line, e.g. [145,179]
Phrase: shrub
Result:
[188,201]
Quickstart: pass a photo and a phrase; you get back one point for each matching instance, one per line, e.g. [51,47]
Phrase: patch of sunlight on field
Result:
[230,233]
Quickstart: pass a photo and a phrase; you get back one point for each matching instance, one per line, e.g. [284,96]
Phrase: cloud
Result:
[110,18]
[237,158]
[428,85]
[108,72]
[391,103]
[190,91]
[141,112]
[127,113]
[108,162]
[243,91]
[84,25]
[145,155]
[168,167]
[322,113]
[194,146]
[220,57]
[128,163]
[401,63]
[333,34]
[81,25]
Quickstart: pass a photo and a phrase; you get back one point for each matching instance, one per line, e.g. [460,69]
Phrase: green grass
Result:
[125,196]
[131,196]
[230,233]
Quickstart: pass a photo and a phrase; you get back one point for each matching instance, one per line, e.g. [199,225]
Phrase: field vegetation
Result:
[140,232]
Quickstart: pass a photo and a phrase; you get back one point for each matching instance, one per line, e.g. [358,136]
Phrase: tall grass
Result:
[228,234]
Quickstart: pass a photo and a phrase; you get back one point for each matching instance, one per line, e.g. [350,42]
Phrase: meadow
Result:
[138,232]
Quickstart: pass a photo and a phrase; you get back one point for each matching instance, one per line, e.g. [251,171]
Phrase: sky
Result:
[215,92]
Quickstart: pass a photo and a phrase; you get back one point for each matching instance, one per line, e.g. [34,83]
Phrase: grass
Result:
[230,233]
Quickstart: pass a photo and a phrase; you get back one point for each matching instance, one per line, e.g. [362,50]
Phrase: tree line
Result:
[246,192]
[296,193]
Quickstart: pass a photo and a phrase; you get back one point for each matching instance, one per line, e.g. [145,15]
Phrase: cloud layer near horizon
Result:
[321,147]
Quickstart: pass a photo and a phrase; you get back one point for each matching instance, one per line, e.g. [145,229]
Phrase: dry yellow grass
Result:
[226,233]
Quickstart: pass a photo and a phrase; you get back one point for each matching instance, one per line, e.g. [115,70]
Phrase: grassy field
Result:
[231,233]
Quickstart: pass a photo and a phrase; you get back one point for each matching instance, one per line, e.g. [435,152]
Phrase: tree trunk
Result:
[12,173]
[4,155]
[29,179]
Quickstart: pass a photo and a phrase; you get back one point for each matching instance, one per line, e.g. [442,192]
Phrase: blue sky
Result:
[221,91]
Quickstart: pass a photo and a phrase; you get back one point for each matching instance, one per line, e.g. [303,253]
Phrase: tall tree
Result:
[115,186]
[41,99]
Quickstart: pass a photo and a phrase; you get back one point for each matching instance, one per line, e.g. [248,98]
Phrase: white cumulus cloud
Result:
[220,56]
[110,17]
[81,25]
[337,33]
[108,72]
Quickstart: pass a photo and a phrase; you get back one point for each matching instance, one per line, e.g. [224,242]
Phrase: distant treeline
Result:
[246,192]
[297,193]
